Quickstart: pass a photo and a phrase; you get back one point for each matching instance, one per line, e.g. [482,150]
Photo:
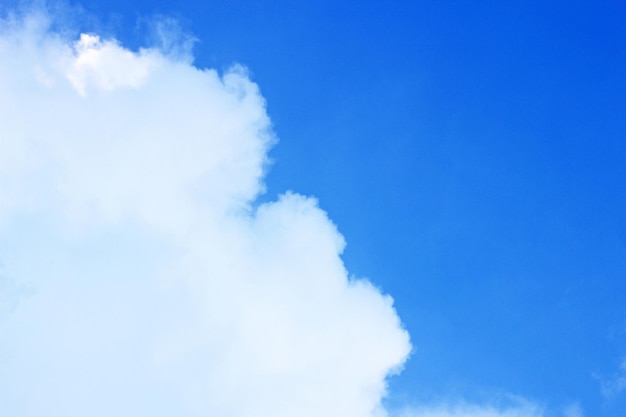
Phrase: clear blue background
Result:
[472,153]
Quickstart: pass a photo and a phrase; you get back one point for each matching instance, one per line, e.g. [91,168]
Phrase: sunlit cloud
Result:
[140,276]
[157,286]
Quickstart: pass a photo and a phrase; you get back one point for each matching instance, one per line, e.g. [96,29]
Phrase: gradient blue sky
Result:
[473,154]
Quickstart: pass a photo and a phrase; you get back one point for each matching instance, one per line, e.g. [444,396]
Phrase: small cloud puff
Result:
[107,66]
[472,410]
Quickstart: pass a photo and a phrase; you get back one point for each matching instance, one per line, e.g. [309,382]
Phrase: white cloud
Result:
[497,406]
[127,189]
[519,408]
[108,66]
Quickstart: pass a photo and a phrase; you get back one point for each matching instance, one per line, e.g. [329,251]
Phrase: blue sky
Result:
[471,154]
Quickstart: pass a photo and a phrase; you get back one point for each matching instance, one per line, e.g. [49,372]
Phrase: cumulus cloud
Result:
[156,285]
[140,277]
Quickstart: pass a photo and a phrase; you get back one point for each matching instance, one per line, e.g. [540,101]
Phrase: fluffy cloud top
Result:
[140,278]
